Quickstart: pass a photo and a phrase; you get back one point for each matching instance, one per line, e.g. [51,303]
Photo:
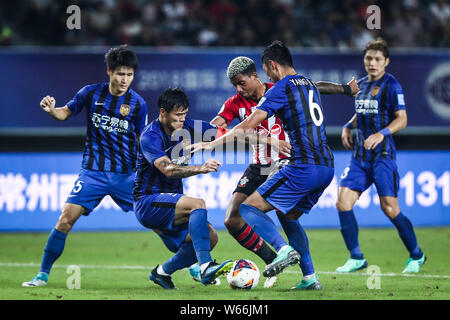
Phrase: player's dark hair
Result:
[378,45]
[173,98]
[121,56]
[277,52]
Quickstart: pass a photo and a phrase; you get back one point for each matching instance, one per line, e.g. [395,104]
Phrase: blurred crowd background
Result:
[302,23]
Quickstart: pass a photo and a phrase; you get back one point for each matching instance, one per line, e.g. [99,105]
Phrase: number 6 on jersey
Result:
[314,106]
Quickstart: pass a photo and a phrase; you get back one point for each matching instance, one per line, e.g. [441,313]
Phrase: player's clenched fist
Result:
[48,103]
[353,86]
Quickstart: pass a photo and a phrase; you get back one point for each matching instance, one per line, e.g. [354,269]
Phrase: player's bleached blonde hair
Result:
[240,65]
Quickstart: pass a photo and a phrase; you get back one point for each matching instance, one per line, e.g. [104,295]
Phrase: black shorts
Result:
[256,174]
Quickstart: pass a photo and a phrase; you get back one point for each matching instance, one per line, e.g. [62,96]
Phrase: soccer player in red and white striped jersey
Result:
[242,105]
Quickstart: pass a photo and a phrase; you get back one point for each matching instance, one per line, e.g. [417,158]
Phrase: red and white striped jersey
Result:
[238,107]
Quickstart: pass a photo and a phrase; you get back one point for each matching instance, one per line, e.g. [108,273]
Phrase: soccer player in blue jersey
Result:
[296,187]
[180,220]
[116,115]
[380,112]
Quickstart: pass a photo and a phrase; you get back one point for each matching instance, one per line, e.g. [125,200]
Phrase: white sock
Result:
[160,271]
[282,248]
[308,277]
[204,266]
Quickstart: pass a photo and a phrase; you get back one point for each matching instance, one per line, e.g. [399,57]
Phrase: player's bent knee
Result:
[389,205]
[343,205]
[390,211]
[68,217]
[198,204]
[234,223]
[293,215]
[64,224]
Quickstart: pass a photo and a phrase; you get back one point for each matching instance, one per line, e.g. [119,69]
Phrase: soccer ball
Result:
[243,275]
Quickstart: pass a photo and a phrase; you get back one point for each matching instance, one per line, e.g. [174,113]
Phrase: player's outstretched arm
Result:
[242,132]
[175,171]
[48,105]
[218,121]
[325,87]
[396,125]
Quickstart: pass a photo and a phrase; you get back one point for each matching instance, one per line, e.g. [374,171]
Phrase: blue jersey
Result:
[375,107]
[113,125]
[156,143]
[295,100]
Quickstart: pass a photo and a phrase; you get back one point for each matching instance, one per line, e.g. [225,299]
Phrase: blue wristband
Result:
[349,125]
[385,132]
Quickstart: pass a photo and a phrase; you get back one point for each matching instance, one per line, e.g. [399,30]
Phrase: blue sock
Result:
[262,225]
[199,231]
[184,257]
[349,230]
[53,249]
[299,241]
[406,232]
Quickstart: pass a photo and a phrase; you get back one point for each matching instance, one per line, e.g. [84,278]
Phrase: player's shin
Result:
[408,236]
[53,249]
[349,231]
[184,257]
[299,241]
[199,231]
[262,225]
[250,240]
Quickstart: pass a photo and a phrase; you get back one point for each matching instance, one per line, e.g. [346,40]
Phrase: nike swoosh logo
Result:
[72,195]
[99,103]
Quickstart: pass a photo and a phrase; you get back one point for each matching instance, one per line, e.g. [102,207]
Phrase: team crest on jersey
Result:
[124,110]
[243,182]
[375,91]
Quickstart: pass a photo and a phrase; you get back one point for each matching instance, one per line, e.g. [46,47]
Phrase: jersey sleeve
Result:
[201,130]
[142,118]
[152,146]
[209,131]
[79,100]
[228,111]
[396,97]
[272,101]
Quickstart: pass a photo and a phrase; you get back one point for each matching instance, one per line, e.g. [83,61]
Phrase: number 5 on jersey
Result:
[77,187]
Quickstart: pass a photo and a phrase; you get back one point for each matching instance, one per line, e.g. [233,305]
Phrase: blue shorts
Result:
[157,211]
[92,186]
[359,175]
[296,187]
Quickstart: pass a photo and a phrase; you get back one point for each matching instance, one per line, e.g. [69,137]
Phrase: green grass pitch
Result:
[115,265]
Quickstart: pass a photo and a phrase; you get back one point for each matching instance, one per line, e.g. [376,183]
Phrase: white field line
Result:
[86,266]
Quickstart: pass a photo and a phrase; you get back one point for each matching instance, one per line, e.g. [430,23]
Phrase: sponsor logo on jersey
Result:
[366,106]
[109,124]
[275,130]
